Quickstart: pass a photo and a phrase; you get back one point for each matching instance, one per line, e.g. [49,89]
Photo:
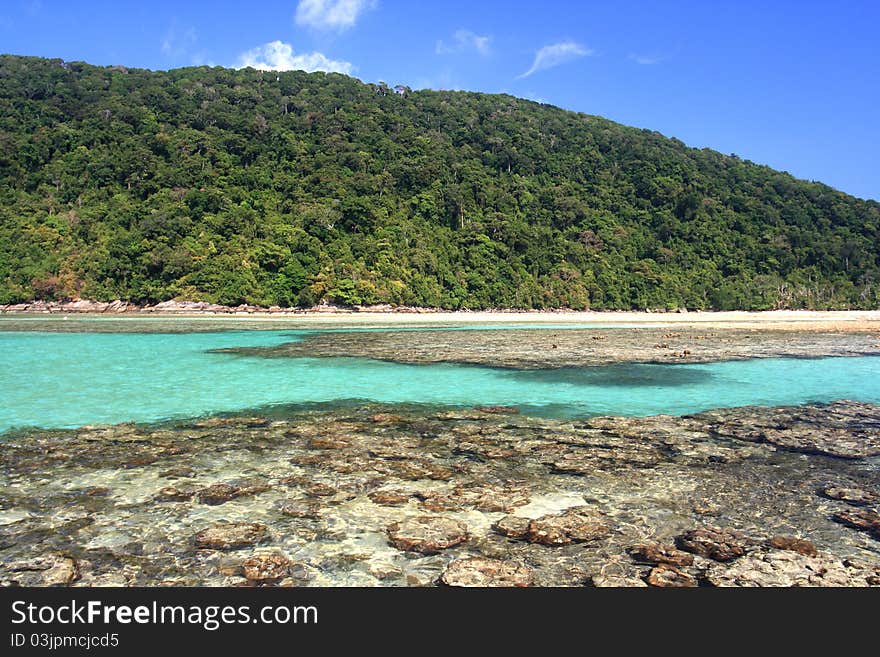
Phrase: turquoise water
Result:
[72,379]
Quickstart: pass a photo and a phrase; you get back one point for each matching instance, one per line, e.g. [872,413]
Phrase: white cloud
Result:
[176,43]
[644,60]
[331,14]
[279,56]
[465,40]
[556,54]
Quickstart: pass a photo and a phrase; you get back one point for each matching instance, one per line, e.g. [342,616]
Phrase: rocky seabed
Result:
[395,496]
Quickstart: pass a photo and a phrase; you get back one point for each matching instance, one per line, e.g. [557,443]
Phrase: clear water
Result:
[71,379]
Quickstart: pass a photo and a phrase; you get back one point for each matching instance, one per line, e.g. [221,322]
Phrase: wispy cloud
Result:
[177,42]
[279,56]
[201,58]
[556,54]
[465,41]
[644,60]
[331,14]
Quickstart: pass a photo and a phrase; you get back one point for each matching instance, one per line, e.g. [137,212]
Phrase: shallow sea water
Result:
[329,433]
[53,379]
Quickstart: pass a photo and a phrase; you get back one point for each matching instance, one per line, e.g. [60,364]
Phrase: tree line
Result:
[292,188]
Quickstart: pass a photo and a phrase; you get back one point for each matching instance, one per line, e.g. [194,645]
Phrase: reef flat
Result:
[406,495]
[574,347]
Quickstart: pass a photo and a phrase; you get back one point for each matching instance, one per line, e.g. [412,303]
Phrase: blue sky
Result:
[791,84]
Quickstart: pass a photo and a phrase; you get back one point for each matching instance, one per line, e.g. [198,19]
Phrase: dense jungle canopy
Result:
[292,188]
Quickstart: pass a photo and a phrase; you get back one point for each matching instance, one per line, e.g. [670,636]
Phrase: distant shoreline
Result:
[843,320]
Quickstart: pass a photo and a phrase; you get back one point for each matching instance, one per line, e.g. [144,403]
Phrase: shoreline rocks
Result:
[118,306]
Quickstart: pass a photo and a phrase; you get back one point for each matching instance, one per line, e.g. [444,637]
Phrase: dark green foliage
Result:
[242,186]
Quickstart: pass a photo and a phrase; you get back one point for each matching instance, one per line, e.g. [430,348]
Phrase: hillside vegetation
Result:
[235,186]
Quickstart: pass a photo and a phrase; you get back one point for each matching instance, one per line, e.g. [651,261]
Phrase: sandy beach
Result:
[799,320]
[846,320]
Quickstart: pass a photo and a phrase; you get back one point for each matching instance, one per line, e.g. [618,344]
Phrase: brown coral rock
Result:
[654,553]
[786,568]
[799,545]
[576,525]
[46,570]
[266,568]
[854,496]
[427,534]
[666,576]
[862,519]
[483,572]
[301,508]
[513,527]
[223,492]
[386,497]
[715,543]
[232,535]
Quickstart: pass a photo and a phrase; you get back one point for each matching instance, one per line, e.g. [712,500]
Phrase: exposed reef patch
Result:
[569,349]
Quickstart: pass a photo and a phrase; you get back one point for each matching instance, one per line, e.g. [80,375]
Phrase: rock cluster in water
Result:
[404,496]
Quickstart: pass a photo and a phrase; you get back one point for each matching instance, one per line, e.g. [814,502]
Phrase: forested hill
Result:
[237,186]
